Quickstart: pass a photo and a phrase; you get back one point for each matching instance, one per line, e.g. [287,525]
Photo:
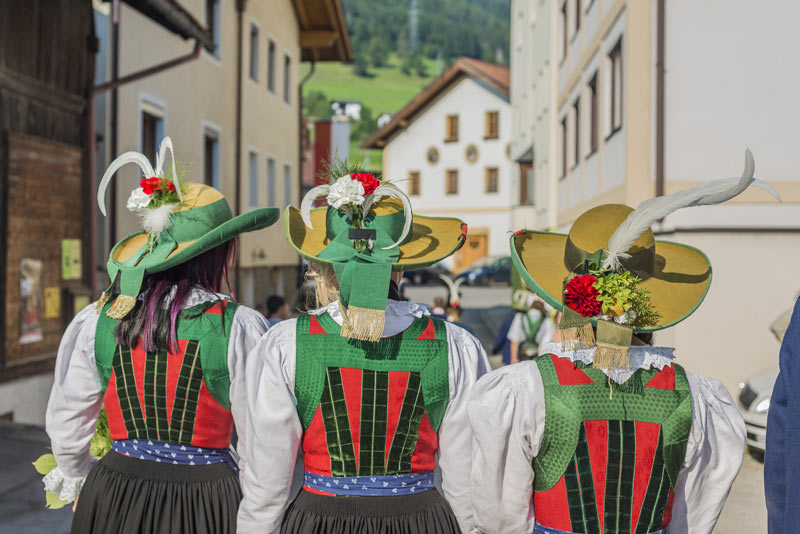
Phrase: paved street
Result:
[22,499]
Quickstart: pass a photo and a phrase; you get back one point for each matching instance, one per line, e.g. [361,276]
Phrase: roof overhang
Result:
[460,69]
[175,18]
[323,30]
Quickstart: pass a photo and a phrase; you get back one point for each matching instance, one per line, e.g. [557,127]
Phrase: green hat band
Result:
[363,276]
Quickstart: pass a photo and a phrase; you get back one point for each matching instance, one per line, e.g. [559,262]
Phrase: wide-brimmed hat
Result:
[366,231]
[181,220]
[676,276]
[610,266]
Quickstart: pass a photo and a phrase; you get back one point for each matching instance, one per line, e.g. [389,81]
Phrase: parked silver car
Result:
[754,396]
[755,393]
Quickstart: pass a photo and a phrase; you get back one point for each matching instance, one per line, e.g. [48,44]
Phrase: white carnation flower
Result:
[346,191]
[138,200]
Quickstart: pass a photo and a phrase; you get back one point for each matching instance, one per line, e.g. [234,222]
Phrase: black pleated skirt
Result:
[130,496]
[423,513]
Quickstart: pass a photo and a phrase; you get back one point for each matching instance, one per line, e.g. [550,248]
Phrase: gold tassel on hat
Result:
[575,330]
[613,342]
[577,337]
[122,306]
[362,323]
[102,301]
[610,357]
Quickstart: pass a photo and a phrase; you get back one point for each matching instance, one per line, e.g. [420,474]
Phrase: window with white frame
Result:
[271,65]
[270,182]
[213,24]
[615,96]
[211,157]
[253,170]
[287,185]
[254,47]
[152,128]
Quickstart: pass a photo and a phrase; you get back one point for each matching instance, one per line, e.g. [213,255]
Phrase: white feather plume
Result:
[156,220]
[385,190]
[136,158]
[650,211]
[166,144]
[308,201]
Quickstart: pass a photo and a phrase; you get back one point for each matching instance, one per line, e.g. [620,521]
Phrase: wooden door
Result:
[476,247]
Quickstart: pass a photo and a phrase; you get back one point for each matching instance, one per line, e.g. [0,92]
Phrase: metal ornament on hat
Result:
[613,338]
[363,267]
[154,219]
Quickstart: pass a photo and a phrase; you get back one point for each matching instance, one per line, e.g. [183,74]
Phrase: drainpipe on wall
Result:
[660,98]
[241,5]
[112,86]
[307,77]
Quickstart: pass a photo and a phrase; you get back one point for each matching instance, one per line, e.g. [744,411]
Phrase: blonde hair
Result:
[326,285]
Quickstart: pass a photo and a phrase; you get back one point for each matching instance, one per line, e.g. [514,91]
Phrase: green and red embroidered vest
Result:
[370,408]
[609,459]
[180,397]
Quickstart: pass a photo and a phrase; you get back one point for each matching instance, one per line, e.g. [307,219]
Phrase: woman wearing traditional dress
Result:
[371,389]
[595,435]
[166,357]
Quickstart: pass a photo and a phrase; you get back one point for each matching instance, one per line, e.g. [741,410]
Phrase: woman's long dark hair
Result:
[153,320]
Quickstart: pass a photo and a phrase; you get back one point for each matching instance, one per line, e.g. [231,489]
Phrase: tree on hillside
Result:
[317,105]
[452,28]
[378,51]
[364,127]
[360,65]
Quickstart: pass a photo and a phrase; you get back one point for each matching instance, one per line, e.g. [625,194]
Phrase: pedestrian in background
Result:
[781,460]
[529,330]
[277,310]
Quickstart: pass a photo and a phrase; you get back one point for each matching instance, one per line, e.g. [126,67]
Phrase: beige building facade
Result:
[651,97]
[196,105]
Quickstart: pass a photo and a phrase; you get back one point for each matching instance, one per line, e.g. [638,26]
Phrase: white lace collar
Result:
[639,356]
[394,308]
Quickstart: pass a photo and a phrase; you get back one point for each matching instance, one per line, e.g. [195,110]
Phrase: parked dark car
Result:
[427,275]
[497,271]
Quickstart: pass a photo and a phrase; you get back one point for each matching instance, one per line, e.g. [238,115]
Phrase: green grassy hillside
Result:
[386,89]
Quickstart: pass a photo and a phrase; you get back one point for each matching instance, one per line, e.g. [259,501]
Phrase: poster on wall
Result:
[31,302]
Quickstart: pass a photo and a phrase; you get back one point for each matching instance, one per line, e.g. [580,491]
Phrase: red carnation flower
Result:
[367,180]
[170,187]
[581,295]
[149,185]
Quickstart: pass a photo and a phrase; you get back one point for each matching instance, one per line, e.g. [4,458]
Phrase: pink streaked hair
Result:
[154,319]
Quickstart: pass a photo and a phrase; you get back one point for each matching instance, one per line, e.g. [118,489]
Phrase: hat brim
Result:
[678,286]
[431,239]
[246,222]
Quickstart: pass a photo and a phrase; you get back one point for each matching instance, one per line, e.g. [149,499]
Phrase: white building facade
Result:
[652,97]
[533,124]
[449,150]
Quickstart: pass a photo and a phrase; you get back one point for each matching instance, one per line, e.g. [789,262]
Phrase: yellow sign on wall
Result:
[71,264]
[52,302]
